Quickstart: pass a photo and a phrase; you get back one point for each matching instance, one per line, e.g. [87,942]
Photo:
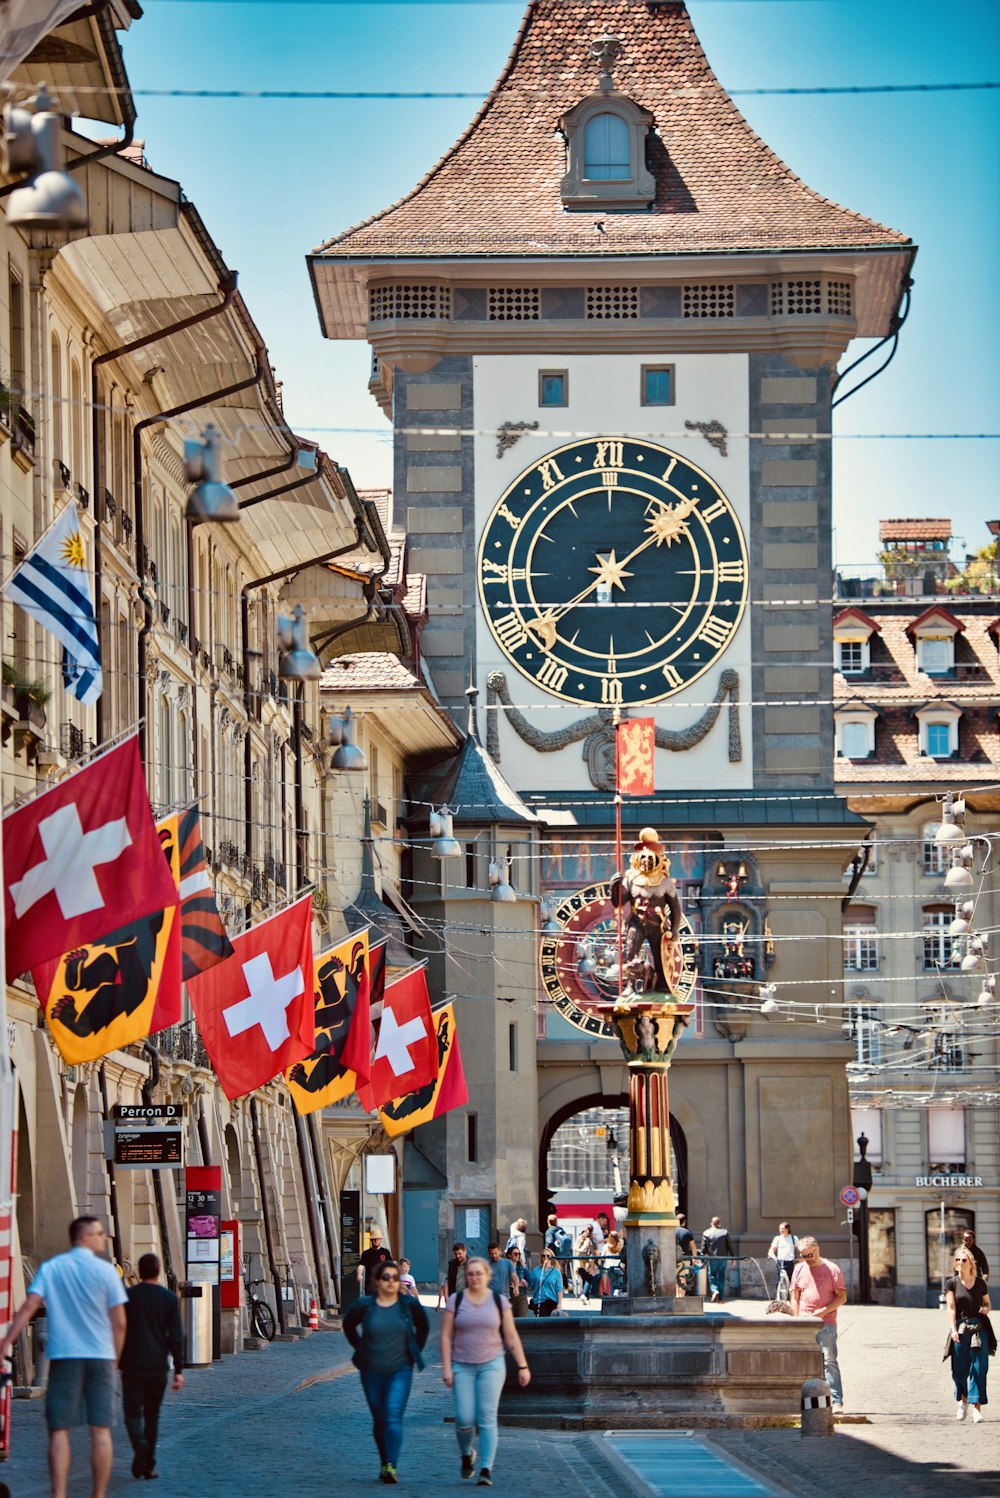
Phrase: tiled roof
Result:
[859,615]
[363,561]
[936,611]
[896,689]
[914,530]
[368,672]
[415,597]
[470,783]
[718,186]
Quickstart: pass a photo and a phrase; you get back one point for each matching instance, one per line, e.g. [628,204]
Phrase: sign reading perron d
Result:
[948,1181]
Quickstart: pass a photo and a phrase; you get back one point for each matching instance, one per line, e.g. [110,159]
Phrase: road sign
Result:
[850,1215]
[849,1196]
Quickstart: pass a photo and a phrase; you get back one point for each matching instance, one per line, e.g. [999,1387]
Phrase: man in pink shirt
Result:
[818,1290]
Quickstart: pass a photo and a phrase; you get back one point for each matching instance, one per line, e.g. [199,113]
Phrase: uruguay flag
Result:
[53,585]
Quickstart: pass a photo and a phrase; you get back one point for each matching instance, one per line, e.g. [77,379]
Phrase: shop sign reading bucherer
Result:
[949,1181]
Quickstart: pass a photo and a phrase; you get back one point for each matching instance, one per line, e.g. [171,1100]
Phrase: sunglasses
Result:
[388,1279]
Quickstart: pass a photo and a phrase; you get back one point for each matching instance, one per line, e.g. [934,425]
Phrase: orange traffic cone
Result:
[313,1315]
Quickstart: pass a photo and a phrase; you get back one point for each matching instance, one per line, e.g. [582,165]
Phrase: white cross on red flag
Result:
[256,1011]
[81,860]
[406,1053]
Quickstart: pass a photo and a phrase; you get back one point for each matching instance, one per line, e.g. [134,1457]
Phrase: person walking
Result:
[818,1290]
[84,1300]
[153,1332]
[967,1299]
[586,1263]
[387,1331]
[477,1324]
[982,1264]
[614,1254]
[374,1255]
[519,1239]
[407,1284]
[717,1247]
[546,1285]
[784,1246]
[454,1274]
[503,1272]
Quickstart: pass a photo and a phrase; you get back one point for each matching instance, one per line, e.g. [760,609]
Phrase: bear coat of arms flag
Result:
[256,1010]
[82,859]
[447,1090]
[341,1055]
[122,988]
[406,1054]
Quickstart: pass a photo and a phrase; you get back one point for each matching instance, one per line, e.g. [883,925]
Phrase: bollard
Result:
[313,1315]
[817,1408]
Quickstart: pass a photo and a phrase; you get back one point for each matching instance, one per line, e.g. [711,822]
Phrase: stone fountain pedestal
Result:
[662,1372]
[650,1360]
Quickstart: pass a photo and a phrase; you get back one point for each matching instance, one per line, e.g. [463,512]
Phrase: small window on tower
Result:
[607,149]
[553,387]
[657,384]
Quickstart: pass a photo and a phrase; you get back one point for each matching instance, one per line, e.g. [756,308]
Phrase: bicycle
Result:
[259,1313]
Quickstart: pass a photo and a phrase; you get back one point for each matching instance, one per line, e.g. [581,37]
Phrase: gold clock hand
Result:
[665,528]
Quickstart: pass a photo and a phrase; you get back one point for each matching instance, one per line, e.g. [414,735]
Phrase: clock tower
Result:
[605,326]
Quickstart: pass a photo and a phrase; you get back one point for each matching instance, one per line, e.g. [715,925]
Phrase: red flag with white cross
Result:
[81,860]
[406,1054]
[255,1010]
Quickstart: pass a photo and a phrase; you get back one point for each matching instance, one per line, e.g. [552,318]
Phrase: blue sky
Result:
[273,179]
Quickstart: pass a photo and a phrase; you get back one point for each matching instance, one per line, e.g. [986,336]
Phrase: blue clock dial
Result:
[613,571]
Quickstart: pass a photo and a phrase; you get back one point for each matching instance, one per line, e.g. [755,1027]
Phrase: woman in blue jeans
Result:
[387,1331]
[477,1324]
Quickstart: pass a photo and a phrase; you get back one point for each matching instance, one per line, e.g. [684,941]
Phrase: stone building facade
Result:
[917,688]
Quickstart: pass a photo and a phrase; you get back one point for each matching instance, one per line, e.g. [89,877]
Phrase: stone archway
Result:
[581,1104]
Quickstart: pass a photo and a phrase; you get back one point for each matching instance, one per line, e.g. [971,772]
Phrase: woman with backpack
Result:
[387,1332]
[477,1324]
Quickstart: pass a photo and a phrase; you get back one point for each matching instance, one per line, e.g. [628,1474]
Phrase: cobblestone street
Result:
[290,1422]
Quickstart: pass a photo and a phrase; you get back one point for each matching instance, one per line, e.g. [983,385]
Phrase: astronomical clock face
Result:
[583,997]
[613,571]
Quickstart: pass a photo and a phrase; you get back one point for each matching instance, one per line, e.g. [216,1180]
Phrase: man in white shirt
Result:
[84,1300]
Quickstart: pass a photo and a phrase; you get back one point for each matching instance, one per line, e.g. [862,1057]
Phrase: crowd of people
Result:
[99,1329]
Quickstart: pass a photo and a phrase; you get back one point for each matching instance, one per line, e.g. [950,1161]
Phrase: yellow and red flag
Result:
[341,1058]
[113,992]
[448,1089]
[635,746]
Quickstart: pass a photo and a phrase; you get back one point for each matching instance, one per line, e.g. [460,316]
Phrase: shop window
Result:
[943,1229]
[882,1248]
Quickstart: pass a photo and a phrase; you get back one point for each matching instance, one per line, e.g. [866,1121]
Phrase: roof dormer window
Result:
[933,635]
[606,143]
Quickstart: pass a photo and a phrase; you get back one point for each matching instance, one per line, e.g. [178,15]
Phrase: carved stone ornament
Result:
[714,433]
[606,51]
[509,434]
[598,733]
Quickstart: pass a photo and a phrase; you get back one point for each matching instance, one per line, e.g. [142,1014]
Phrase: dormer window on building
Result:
[933,635]
[606,143]
[938,729]
[855,730]
[852,633]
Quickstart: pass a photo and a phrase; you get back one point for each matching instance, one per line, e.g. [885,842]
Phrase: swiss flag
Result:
[255,1010]
[406,1055]
[81,860]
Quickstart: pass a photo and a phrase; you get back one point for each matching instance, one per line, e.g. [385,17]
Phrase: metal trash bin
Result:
[196,1314]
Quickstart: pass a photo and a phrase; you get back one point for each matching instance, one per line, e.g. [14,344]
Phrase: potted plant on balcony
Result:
[30,694]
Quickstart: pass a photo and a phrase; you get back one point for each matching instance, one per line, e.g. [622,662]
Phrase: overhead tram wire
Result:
[323,95]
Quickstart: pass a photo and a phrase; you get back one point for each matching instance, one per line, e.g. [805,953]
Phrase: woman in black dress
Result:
[968,1302]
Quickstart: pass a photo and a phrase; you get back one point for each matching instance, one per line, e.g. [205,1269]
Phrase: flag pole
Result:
[618,846]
